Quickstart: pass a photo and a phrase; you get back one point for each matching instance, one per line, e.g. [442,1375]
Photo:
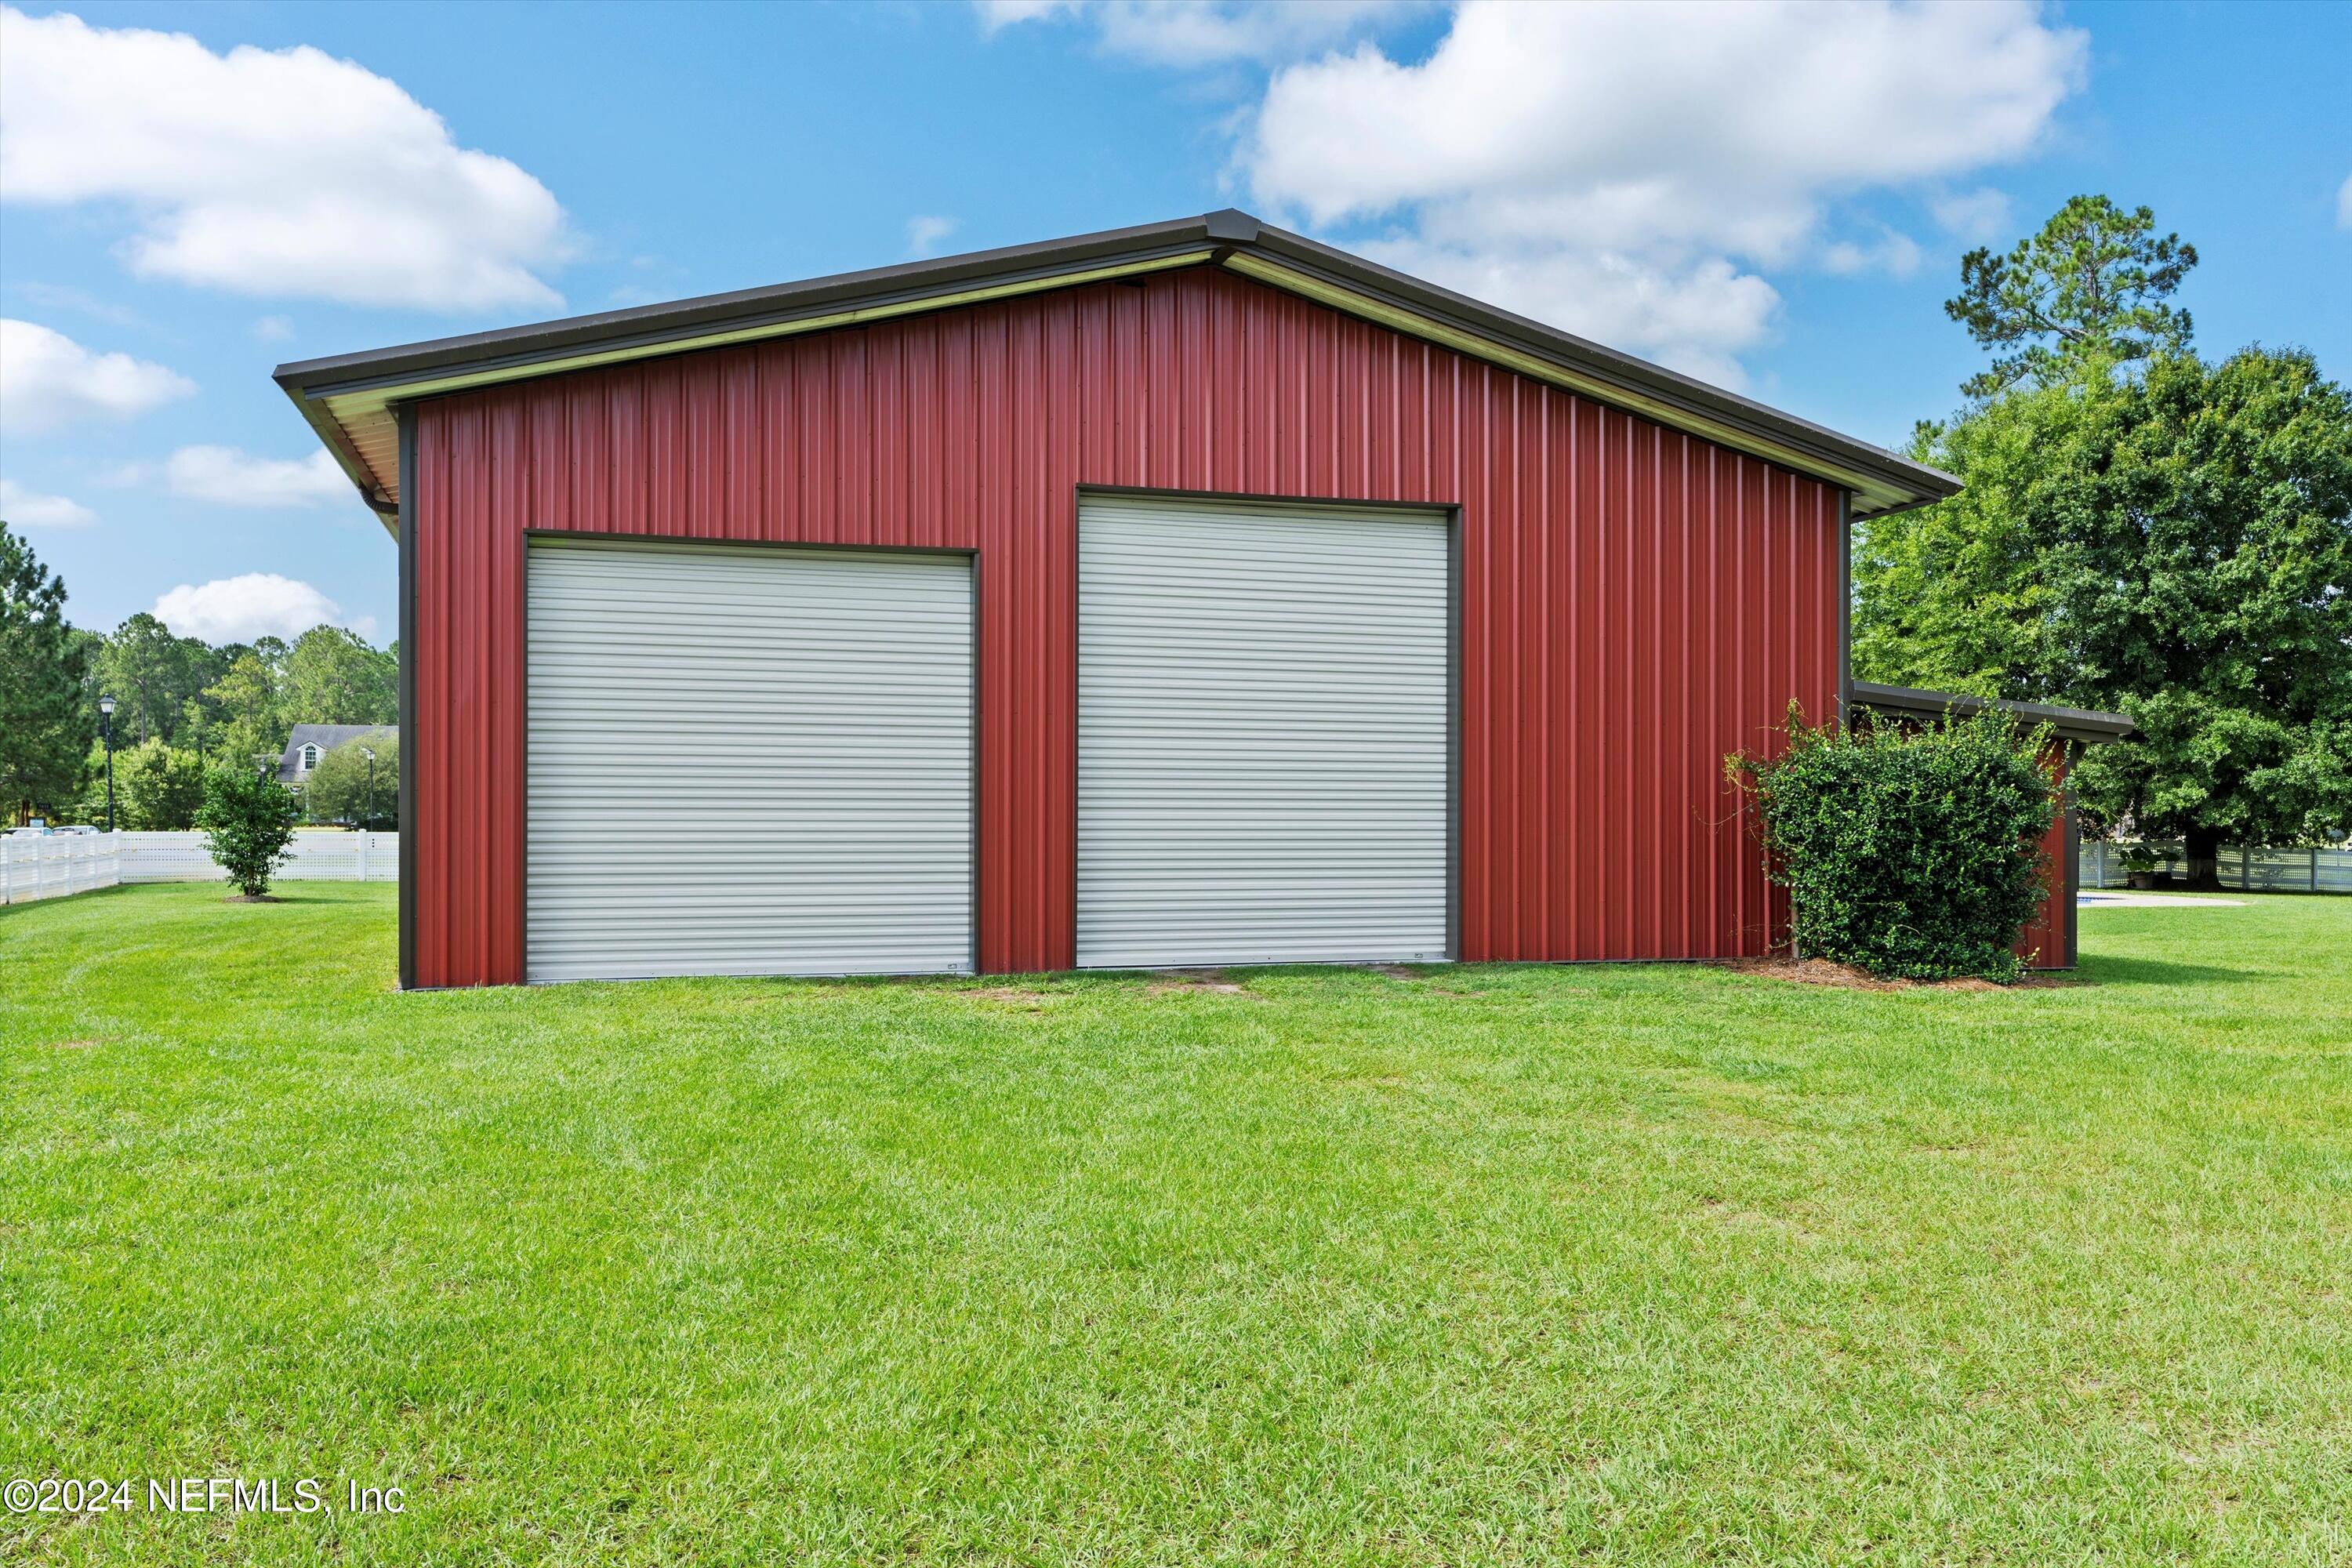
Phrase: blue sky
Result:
[1775,198]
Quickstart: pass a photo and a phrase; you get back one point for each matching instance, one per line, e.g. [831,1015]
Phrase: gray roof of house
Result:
[326,737]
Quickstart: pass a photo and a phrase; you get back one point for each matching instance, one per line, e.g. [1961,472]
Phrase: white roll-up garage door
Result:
[1264,734]
[747,761]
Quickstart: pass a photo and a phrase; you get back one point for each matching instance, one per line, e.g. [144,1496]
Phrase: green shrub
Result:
[248,819]
[1914,851]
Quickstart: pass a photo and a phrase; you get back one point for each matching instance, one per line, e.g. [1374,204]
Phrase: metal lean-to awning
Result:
[2083,724]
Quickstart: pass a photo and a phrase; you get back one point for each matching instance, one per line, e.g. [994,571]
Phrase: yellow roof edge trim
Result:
[345,404]
[1869,496]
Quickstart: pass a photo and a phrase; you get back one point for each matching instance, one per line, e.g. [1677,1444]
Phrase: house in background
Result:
[308,745]
[1188,594]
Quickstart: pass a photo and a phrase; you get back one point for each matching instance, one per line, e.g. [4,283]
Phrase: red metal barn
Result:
[1187,593]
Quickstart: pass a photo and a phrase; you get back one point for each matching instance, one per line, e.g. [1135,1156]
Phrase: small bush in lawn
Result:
[248,821]
[1911,852]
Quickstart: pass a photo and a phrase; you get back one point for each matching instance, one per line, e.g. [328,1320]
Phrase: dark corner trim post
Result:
[1454,668]
[971,762]
[1078,647]
[1845,607]
[406,533]
[521,606]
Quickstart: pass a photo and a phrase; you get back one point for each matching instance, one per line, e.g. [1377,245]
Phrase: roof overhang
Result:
[349,399]
[2070,723]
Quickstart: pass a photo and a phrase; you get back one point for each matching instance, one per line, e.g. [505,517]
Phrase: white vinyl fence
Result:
[2244,870]
[56,864]
[314,857]
[61,863]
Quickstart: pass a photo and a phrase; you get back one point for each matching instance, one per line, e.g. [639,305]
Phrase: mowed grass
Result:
[1498,1265]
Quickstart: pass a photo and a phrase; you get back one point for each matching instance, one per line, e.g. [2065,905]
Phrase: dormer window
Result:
[310,758]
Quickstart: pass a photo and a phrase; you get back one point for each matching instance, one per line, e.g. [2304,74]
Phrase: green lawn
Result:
[1503,1265]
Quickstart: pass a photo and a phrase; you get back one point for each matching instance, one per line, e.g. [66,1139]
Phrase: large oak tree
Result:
[2146,532]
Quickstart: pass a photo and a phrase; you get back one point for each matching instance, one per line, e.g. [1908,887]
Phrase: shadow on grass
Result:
[2106,970]
[57,900]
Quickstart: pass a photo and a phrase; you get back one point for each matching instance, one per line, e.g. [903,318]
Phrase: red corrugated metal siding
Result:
[2043,943]
[1635,601]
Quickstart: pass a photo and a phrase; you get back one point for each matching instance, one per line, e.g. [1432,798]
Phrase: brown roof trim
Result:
[654,325]
[377,375]
[2071,723]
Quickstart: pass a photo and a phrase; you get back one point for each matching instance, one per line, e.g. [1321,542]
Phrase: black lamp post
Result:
[106,727]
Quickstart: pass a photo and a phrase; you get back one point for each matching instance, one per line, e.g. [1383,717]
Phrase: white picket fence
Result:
[52,866]
[2242,870]
[59,863]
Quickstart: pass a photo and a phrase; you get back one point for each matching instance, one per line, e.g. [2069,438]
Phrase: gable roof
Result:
[349,399]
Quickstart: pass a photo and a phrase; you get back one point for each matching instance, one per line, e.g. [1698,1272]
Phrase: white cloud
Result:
[1630,171]
[924,234]
[1980,215]
[258,603]
[65,296]
[999,14]
[1891,251]
[227,477]
[267,171]
[47,380]
[1203,32]
[1696,319]
[27,509]
[274,329]
[2344,203]
[127,475]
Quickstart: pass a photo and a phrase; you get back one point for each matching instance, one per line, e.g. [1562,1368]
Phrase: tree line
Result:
[182,706]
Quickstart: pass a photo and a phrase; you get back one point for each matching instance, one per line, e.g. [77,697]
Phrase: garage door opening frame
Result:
[1449,511]
[970,556]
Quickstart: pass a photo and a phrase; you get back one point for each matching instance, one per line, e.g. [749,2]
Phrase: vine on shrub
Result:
[1912,851]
